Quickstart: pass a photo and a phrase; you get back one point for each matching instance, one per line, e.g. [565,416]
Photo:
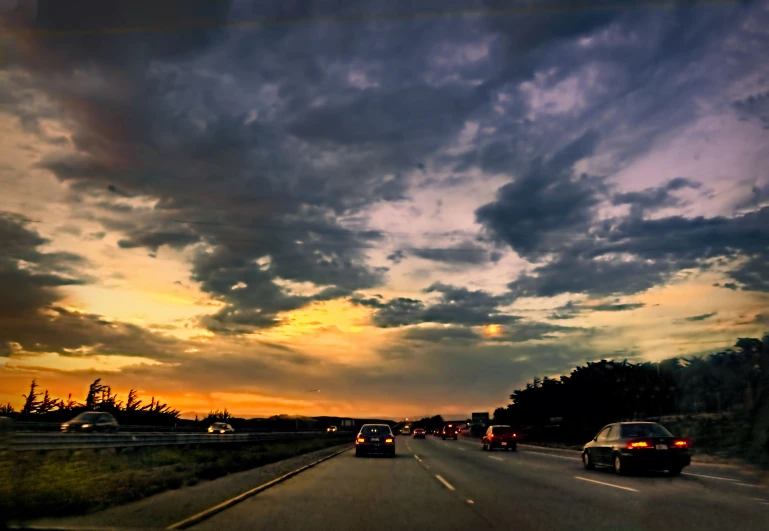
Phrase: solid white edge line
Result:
[496,458]
[746,485]
[208,513]
[446,483]
[606,484]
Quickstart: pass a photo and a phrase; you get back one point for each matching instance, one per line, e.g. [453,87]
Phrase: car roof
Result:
[377,425]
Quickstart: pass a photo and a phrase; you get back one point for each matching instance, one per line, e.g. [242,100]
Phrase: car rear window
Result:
[644,430]
[87,416]
[375,430]
[502,429]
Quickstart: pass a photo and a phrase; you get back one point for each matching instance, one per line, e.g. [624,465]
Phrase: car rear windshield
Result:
[644,430]
[375,430]
[501,429]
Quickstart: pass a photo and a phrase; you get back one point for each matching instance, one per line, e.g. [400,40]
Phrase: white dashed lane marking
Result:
[606,484]
[446,483]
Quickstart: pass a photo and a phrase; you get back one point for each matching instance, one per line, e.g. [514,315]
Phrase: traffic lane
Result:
[720,479]
[528,497]
[348,492]
[717,472]
[641,501]
[740,489]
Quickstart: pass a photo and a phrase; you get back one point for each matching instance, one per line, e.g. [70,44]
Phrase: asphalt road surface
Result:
[435,484]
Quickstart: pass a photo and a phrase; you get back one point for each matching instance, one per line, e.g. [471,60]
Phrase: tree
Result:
[7,409]
[31,403]
[69,405]
[47,404]
[133,402]
[94,394]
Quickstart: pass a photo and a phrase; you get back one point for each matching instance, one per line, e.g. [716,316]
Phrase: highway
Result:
[435,484]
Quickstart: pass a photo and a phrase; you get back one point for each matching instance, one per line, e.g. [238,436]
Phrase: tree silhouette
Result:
[31,403]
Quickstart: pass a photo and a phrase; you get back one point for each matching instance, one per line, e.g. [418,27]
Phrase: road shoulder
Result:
[168,507]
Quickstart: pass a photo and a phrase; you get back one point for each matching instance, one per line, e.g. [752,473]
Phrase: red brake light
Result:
[388,440]
[513,434]
[360,440]
[637,444]
[680,444]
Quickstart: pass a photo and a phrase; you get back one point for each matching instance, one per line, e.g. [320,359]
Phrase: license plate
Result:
[662,447]
[504,444]
[376,439]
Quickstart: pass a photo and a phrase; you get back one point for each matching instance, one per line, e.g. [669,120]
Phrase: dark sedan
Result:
[420,433]
[375,439]
[90,421]
[632,446]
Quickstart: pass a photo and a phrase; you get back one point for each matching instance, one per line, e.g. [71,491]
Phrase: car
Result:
[437,432]
[332,429]
[91,421]
[449,432]
[375,439]
[635,446]
[406,430]
[220,427]
[420,433]
[500,436]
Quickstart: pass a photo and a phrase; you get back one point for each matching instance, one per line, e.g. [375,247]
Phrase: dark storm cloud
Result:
[570,310]
[701,317]
[651,199]
[540,211]
[455,305]
[462,253]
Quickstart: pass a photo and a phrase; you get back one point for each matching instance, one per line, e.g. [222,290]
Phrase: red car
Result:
[500,436]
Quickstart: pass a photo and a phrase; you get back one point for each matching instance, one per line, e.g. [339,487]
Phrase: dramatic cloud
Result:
[455,305]
[265,193]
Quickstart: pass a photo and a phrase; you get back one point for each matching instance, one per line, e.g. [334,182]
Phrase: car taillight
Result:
[513,434]
[638,444]
[360,440]
[388,440]
[680,444]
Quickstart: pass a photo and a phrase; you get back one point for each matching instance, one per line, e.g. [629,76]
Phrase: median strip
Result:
[208,513]
[606,484]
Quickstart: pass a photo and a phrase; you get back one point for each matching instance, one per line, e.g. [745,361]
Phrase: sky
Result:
[374,208]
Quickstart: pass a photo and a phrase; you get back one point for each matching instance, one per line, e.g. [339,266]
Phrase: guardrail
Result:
[24,442]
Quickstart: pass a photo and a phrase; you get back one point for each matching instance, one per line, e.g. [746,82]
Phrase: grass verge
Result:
[62,484]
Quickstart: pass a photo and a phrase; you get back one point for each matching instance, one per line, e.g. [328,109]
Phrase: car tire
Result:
[358,453]
[587,461]
[484,447]
[675,471]
[618,466]
[455,437]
